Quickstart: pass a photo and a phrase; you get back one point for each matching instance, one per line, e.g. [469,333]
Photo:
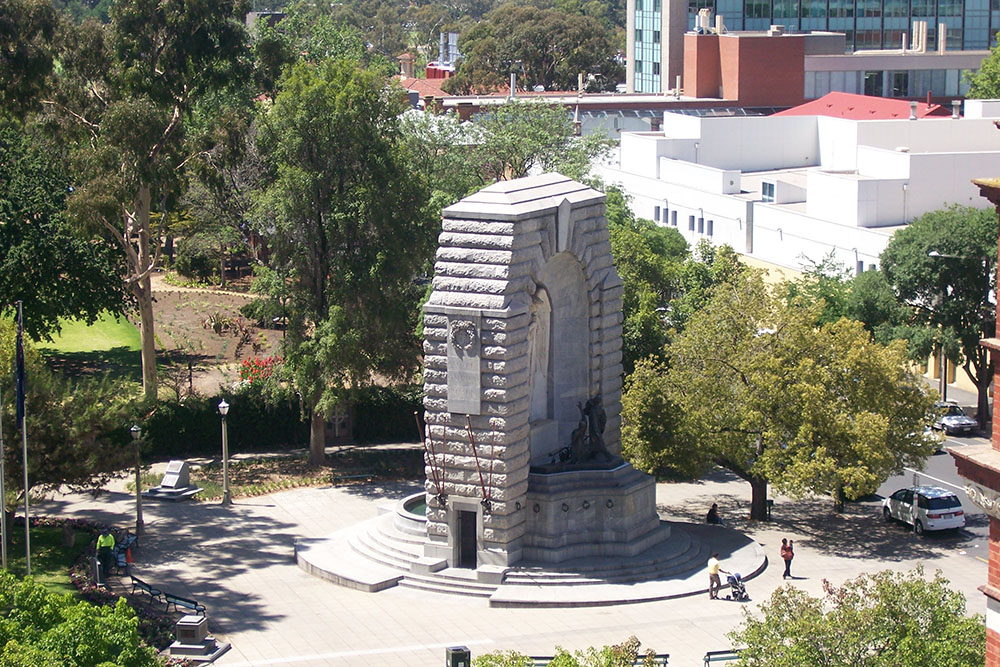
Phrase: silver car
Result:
[925,508]
[951,419]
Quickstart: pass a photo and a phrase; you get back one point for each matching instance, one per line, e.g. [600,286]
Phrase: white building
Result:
[789,190]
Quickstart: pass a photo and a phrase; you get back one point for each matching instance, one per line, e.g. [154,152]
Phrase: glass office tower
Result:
[868,24]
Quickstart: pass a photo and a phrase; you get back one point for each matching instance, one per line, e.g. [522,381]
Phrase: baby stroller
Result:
[737,591]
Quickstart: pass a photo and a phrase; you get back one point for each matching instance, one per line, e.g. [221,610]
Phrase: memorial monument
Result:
[523,378]
[527,500]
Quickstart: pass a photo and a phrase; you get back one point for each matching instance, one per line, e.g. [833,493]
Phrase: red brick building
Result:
[980,466]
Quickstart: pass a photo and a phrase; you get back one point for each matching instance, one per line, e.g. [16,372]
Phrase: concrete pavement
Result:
[238,562]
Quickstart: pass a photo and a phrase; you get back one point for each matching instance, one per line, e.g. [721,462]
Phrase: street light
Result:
[139,525]
[224,410]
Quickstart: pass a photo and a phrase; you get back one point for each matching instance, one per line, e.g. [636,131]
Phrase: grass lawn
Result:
[107,333]
[50,560]
[109,345]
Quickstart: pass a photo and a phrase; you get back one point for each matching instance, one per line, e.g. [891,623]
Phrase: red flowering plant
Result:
[255,372]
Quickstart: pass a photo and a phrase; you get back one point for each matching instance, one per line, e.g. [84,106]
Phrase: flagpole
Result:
[24,439]
[3,497]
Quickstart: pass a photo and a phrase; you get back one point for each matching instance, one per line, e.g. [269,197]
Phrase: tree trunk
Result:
[317,438]
[222,267]
[758,499]
[983,403]
[838,499]
[144,296]
[143,262]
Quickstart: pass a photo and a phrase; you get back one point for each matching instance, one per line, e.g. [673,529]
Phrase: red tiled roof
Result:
[423,87]
[862,107]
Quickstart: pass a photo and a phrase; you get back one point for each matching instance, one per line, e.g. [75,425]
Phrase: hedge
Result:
[193,427]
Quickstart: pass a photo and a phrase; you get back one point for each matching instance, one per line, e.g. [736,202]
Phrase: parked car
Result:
[924,508]
[951,419]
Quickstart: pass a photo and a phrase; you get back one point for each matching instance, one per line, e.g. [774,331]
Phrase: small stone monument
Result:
[175,485]
[523,378]
[192,641]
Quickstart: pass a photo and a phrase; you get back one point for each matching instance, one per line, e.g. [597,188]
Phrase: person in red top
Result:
[787,554]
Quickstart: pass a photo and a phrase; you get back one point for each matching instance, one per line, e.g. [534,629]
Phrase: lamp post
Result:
[224,410]
[139,525]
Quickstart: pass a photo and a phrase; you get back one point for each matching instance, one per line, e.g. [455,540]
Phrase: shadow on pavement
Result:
[195,549]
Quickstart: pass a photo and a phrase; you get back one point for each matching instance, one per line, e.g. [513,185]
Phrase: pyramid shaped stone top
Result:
[522,198]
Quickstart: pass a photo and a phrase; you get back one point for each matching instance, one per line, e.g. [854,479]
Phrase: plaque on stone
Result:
[177,475]
[464,382]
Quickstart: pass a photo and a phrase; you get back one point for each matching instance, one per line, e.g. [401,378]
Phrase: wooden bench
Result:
[721,656]
[187,603]
[141,586]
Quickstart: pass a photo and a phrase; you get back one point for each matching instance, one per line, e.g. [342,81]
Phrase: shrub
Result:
[197,257]
[192,427]
[385,414]
[42,628]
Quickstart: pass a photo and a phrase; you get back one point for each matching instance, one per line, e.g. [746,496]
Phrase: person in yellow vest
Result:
[105,551]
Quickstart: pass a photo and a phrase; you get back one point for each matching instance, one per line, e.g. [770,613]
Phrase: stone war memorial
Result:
[527,496]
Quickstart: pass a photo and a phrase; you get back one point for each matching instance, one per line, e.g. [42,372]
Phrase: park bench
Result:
[721,656]
[187,603]
[141,586]
[659,659]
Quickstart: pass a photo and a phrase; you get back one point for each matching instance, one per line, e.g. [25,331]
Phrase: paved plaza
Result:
[238,561]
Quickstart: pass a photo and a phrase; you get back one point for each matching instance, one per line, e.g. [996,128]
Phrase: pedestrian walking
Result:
[714,582]
[787,554]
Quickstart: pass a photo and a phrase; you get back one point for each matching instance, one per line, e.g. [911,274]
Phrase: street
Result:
[971,541]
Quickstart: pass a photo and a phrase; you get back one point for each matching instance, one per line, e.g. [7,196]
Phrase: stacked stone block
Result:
[492,249]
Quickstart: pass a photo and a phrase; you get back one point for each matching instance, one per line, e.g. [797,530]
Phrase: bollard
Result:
[457,656]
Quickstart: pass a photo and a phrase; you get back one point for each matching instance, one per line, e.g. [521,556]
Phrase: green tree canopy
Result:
[46,262]
[984,84]
[650,261]
[76,426]
[26,31]
[42,628]
[545,47]
[765,392]
[942,266]
[351,226]
[124,95]
[505,142]
[876,620]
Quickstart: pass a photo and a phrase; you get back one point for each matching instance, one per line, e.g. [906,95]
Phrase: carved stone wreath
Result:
[463,335]
[985,498]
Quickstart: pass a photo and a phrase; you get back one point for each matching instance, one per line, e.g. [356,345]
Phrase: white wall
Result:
[759,143]
[699,176]
[838,143]
[832,197]
[788,238]
[938,180]
[640,152]
[930,134]
[982,109]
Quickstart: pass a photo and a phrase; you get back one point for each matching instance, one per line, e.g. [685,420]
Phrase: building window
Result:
[711,227]
[767,191]
[638,35]
[656,213]
[656,68]
[690,223]
[656,37]
[701,225]
[673,218]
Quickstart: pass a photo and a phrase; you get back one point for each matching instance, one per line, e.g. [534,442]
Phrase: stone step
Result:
[676,554]
[446,586]
[334,560]
[393,530]
[387,541]
[363,546]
